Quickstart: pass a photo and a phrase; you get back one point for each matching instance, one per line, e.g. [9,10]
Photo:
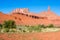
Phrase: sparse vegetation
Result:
[10,26]
[50,26]
[7,25]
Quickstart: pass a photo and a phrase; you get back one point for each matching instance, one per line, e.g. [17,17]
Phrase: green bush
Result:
[1,26]
[50,26]
[42,26]
[9,24]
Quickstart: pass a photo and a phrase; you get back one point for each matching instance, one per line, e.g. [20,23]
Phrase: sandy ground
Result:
[31,36]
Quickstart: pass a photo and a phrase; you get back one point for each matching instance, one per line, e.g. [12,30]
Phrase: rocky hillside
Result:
[22,16]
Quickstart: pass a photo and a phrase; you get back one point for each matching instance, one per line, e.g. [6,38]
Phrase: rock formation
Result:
[24,17]
[20,10]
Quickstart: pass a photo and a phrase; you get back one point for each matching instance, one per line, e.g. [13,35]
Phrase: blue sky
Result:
[37,6]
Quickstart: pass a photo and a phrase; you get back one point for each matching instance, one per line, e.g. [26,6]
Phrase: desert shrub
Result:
[1,26]
[50,26]
[9,24]
[12,30]
[24,30]
[42,26]
[6,30]
[34,28]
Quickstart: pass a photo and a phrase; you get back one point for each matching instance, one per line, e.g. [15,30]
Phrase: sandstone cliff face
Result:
[20,10]
[24,17]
